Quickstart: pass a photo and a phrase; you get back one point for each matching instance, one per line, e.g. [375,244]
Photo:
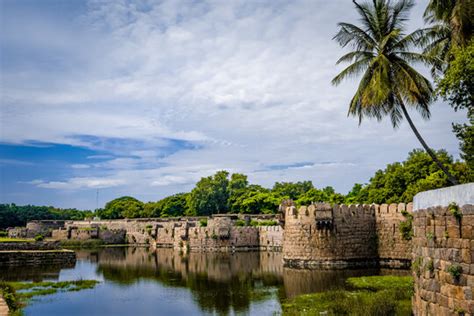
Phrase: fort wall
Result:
[321,235]
[443,252]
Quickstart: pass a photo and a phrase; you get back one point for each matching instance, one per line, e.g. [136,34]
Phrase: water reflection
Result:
[218,283]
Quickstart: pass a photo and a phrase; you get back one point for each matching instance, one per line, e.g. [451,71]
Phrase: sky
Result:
[144,98]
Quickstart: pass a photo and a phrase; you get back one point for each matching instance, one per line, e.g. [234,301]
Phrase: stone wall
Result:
[443,255]
[42,227]
[393,249]
[187,234]
[321,235]
[40,245]
[66,258]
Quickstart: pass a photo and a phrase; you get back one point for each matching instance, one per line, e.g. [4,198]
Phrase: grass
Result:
[90,243]
[8,239]
[377,295]
[18,294]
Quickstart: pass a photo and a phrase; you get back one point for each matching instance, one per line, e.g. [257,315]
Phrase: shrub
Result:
[268,223]
[430,236]
[416,266]
[39,237]
[455,211]
[3,233]
[203,222]
[240,222]
[253,223]
[10,296]
[455,271]
[430,266]
[406,229]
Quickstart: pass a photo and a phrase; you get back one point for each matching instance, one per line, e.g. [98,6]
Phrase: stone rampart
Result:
[321,235]
[443,252]
[393,249]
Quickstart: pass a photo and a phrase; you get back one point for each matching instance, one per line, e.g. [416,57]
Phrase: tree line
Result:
[12,215]
[232,193]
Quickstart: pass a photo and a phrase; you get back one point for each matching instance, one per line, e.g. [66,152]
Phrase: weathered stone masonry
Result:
[321,235]
[443,252]
[186,234]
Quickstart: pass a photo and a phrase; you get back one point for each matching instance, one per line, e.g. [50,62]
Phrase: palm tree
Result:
[451,25]
[382,53]
[457,14]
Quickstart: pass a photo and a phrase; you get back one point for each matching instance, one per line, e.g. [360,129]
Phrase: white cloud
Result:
[79,183]
[249,82]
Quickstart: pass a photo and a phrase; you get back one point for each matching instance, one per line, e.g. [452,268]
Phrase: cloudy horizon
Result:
[144,98]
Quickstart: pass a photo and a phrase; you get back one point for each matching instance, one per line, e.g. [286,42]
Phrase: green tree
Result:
[457,87]
[327,194]
[292,190]
[238,185]
[123,207]
[382,52]
[400,181]
[210,195]
[257,200]
[174,205]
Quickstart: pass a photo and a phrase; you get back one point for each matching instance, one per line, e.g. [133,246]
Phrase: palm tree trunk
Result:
[451,179]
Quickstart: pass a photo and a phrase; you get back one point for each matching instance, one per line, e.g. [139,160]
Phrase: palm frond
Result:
[356,55]
[349,33]
[352,70]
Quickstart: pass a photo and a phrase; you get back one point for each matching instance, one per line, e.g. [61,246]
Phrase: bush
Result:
[455,211]
[203,222]
[239,223]
[3,233]
[455,271]
[10,296]
[39,237]
[406,226]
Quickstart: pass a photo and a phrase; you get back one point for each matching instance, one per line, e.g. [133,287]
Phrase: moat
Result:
[138,281]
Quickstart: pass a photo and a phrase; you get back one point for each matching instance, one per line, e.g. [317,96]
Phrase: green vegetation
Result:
[89,243]
[239,223]
[203,222]
[12,215]
[18,294]
[416,266]
[7,239]
[377,295]
[39,237]
[406,226]
[455,270]
[400,181]
[384,55]
[453,208]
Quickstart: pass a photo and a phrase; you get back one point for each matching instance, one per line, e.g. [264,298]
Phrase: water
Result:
[137,281]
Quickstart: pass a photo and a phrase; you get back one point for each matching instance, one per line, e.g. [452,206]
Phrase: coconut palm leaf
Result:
[384,55]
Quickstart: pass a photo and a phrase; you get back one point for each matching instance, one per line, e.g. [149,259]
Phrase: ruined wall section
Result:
[186,234]
[394,250]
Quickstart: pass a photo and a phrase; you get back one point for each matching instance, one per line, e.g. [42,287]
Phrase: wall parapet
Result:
[321,235]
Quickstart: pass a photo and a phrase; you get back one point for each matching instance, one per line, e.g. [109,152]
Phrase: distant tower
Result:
[97,200]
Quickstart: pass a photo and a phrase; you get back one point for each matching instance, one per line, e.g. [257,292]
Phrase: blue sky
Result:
[145,97]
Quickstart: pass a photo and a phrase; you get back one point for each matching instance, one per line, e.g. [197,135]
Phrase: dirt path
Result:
[3,307]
